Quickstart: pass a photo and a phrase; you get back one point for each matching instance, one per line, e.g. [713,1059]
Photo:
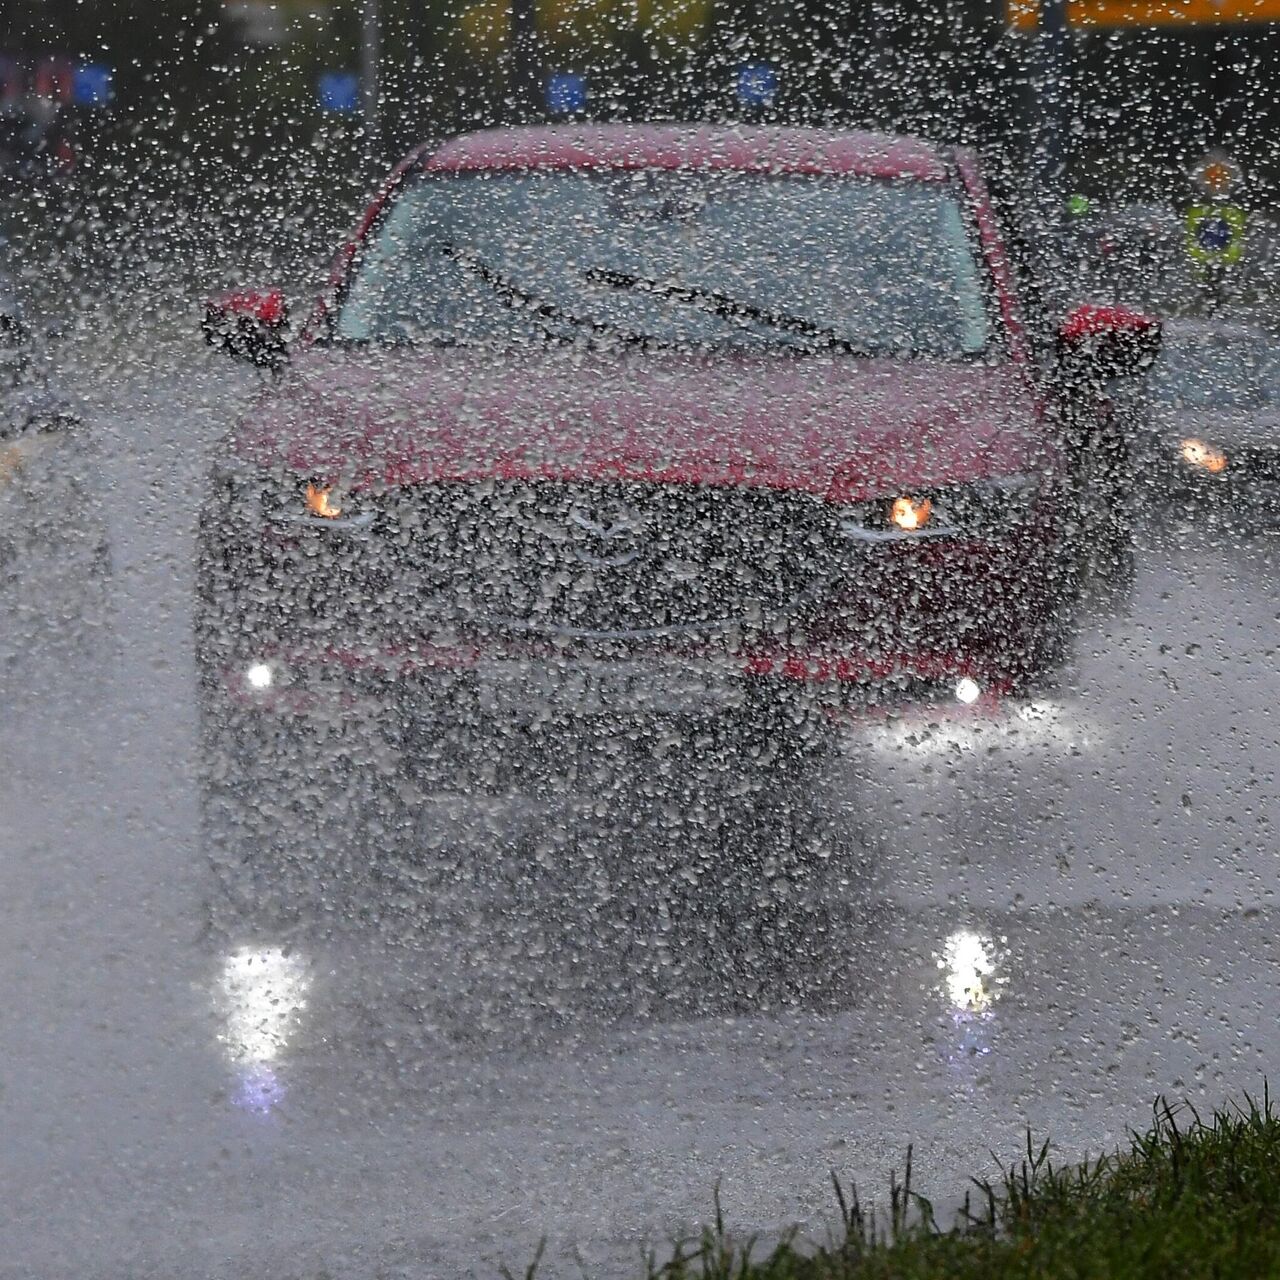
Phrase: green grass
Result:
[1191,1197]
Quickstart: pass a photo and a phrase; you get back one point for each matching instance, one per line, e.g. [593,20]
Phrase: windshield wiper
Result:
[518,299]
[721,304]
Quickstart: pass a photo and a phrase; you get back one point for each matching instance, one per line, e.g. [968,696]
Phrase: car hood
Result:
[837,427]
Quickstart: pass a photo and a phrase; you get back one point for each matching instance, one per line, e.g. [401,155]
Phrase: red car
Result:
[652,422]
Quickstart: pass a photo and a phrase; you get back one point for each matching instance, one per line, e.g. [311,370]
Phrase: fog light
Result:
[967,690]
[259,676]
[1195,453]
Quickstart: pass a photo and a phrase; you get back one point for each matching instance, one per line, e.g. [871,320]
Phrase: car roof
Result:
[744,148]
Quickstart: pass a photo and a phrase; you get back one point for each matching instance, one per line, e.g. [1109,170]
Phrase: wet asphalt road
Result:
[1041,914]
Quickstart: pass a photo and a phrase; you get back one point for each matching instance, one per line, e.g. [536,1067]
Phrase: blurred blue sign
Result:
[566,93]
[91,85]
[757,84]
[1214,234]
[339,91]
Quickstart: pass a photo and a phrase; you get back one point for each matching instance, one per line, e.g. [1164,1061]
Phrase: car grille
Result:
[558,559]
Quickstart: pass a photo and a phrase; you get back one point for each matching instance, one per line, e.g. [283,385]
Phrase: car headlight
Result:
[323,501]
[246,496]
[1203,456]
[979,509]
[314,504]
[910,514]
[325,506]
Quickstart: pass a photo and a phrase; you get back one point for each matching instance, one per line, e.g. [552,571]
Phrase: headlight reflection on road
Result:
[960,730]
[262,994]
[971,980]
[968,964]
[259,1089]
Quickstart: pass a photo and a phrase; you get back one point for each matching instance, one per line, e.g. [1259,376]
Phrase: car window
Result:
[736,261]
[1222,371]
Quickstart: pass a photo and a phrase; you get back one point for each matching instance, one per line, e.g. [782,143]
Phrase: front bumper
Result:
[424,723]
[291,626]
[346,684]
[539,681]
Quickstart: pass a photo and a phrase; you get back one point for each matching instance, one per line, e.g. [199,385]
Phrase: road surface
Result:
[1040,915]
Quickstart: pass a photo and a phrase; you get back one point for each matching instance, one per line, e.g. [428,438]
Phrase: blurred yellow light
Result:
[674,23]
[320,502]
[909,514]
[486,28]
[1198,454]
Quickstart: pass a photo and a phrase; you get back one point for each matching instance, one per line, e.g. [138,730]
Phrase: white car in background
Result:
[1209,414]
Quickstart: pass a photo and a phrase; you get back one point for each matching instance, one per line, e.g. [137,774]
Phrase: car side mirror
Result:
[1096,345]
[249,324]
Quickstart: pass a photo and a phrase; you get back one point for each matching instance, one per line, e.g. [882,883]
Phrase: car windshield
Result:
[1217,371]
[670,258]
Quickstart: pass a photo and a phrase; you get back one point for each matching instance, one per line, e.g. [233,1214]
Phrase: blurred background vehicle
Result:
[1206,420]
[54,550]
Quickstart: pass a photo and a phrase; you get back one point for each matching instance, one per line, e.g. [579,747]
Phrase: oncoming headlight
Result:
[979,509]
[910,514]
[1204,457]
[323,501]
[245,496]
